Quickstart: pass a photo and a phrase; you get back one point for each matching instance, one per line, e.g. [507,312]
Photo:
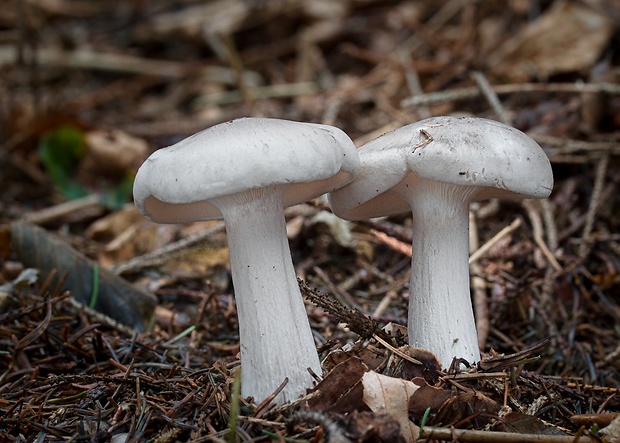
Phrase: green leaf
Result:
[60,150]
[116,197]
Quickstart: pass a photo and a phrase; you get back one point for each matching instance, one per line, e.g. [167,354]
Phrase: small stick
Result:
[392,242]
[479,287]
[383,305]
[441,17]
[482,250]
[102,318]
[599,181]
[569,146]
[397,351]
[60,210]
[413,82]
[536,221]
[491,96]
[469,436]
[551,228]
[474,91]
[161,255]
[258,93]
[341,295]
[123,63]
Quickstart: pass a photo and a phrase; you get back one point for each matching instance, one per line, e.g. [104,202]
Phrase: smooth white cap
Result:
[498,159]
[306,160]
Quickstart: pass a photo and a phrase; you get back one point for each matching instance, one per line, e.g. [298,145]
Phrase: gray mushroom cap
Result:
[499,160]
[175,183]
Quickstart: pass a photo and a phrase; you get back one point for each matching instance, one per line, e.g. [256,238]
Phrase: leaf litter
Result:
[151,73]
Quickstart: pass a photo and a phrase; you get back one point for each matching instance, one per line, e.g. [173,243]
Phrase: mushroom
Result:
[435,168]
[246,171]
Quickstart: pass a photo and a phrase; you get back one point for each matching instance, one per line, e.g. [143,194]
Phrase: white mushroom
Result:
[435,168]
[246,171]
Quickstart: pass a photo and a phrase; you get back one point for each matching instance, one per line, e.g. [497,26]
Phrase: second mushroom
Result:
[435,168]
[246,171]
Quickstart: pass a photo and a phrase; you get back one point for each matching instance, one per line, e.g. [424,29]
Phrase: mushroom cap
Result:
[305,160]
[498,159]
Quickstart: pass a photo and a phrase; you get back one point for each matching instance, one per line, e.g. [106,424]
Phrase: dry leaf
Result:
[567,37]
[401,368]
[112,153]
[340,390]
[383,394]
[467,405]
[114,224]
[127,234]
[199,262]
[427,397]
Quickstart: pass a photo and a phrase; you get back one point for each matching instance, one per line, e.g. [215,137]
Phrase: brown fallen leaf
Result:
[569,36]
[467,406]
[112,153]
[402,368]
[427,397]
[389,395]
[340,390]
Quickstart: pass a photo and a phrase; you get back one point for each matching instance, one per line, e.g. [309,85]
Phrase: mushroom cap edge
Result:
[463,151]
[305,159]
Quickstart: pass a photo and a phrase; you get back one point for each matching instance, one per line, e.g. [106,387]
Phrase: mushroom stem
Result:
[441,317]
[274,332]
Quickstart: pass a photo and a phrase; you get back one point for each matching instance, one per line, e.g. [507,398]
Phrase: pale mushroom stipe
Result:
[435,168]
[247,171]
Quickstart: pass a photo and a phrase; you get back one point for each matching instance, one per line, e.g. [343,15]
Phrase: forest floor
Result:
[144,346]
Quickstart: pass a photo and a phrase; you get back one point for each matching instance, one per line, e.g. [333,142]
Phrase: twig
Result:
[163,254]
[599,181]
[550,227]
[441,17]
[537,228]
[233,57]
[609,190]
[102,318]
[258,93]
[478,286]
[413,82]
[392,242]
[357,322]
[564,146]
[341,295]
[468,436]
[397,231]
[473,92]
[482,250]
[383,304]
[487,90]
[101,61]
[569,146]
[397,351]
[60,210]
